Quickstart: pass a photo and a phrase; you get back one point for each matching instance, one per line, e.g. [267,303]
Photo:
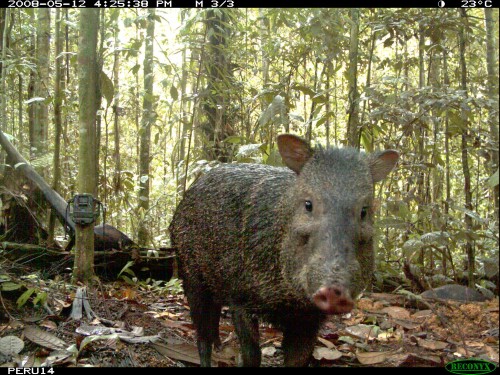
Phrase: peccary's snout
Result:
[333,300]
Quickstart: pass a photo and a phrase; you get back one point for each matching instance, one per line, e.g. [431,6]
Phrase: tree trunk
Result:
[148,119]
[437,183]
[87,82]
[218,81]
[4,22]
[469,248]
[328,104]
[492,67]
[31,91]
[68,171]
[352,77]
[368,144]
[420,135]
[117,182]
[264,36]
[184,124]
[41,109]
[58,97]
[3,19]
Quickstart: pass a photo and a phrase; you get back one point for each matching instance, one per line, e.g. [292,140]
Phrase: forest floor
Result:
[144,326]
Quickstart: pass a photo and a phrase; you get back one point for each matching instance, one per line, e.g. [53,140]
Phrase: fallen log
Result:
[106,236]
[52,197]
[107,263]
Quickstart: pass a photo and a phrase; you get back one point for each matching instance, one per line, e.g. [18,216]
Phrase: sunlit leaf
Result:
[107,87]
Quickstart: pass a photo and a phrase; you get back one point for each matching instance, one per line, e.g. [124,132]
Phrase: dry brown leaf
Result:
[365,304]
[28,361]
[11,345]
[422,314]
[491,353]
[371,358]
[396,312]
[164,314]
[320,353]
[129,294]
[43,338]
[461,352]
[408,324]
[270,332]
[326,343]
[187,353]
[396,358]
[269,351]
[414,360]
[48,324]
[431,344]
[182,352]
[363,331]
[386,336]
[186,327]
[474,344]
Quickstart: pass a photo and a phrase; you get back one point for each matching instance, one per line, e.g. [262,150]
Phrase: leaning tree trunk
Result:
[58,97]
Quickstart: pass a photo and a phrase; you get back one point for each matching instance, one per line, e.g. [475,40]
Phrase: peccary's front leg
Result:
[247,330]
[298,344]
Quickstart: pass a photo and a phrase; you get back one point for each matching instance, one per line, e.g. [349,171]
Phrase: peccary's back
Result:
[227,231]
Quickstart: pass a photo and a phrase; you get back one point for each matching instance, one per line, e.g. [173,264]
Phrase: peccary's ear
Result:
[381,163]
[294,151]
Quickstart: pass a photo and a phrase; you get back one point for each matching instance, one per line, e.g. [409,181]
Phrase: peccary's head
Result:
[327,249]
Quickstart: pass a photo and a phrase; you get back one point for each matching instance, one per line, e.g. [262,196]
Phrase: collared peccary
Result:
[289,245]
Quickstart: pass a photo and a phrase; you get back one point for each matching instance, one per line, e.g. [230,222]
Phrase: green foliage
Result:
[285,70]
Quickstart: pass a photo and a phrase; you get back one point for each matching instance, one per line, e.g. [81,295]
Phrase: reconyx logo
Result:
[470,367]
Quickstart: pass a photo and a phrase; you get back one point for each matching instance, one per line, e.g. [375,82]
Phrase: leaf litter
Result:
[114,326]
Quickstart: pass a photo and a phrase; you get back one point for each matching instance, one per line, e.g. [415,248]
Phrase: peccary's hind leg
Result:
[205,314]
[247,329]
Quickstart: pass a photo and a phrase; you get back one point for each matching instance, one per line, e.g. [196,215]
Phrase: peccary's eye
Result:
[309,206]
[364,212]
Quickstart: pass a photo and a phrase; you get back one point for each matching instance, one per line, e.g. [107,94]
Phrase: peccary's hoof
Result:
[333,300]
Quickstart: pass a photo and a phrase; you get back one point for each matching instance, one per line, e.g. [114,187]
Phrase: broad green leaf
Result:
[411,246]
[9,286]
[135,69]
[21,301]
[435,238]
[126,267]
[107,88]
[128,280]
[247,150]
[173,93]
[40,297]
[34,100]
[471,214]
[493,180]
[234,139]
[19,164]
